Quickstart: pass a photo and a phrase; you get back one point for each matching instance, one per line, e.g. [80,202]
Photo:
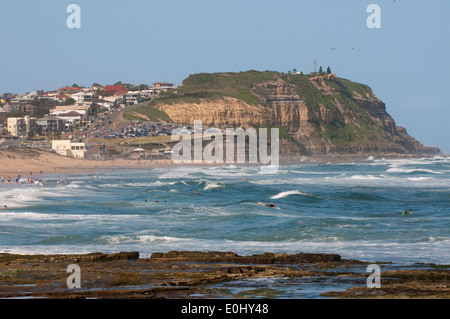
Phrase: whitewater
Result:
[351,209]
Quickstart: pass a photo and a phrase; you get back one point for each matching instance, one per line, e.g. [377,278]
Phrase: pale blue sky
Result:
[406,62]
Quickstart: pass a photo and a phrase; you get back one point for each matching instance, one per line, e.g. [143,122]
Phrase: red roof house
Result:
[115,89]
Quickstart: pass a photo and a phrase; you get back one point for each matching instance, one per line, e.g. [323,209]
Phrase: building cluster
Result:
[69,106]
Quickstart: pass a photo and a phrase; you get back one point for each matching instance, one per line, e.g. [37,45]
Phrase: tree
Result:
[143,87]
[69,101]
[320,69]
[294,71]
[328,70]
[40,112]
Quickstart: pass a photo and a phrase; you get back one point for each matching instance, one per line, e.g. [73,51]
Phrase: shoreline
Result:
[38,162]
[214,274]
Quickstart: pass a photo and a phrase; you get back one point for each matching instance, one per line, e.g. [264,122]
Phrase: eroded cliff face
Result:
[343,120]
[226,112]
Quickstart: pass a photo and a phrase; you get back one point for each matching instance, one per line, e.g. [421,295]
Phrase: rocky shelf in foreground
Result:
[194,274]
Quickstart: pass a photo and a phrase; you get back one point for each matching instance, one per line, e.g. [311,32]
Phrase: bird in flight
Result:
[357,49]
[333,49]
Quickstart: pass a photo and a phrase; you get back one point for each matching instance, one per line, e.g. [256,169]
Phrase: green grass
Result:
[282,133]
[364,133]
[359,88]
[308,92]
[218,85]
[152,113]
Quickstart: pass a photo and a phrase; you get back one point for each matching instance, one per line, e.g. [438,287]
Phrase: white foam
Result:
[212,185]
[288,193]
[21,196]
[364,177]
[409,170]
[55,216]
[128,239]
[419,178]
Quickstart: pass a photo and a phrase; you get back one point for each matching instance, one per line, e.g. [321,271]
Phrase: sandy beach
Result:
[14,162]
[22,162]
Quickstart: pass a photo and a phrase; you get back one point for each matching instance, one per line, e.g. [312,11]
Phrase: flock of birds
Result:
[355,49]
[334,49]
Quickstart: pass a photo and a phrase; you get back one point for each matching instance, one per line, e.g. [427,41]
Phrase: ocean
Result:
[350,209]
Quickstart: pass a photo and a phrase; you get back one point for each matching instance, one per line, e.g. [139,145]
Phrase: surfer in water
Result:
[268,204]
[406,212]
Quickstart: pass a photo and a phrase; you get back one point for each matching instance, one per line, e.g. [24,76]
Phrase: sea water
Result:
[350,209]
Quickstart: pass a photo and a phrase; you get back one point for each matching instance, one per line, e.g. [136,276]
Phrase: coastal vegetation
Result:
[320,112]
[147,113]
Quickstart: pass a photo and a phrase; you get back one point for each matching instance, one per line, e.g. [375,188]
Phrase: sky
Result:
[405,61]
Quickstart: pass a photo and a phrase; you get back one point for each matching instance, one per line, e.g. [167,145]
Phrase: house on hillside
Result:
[83,96]
[70,119]
[114,89]
[131,98]
[13,107]
[162,86]
[104,102]
[24,98]
[83,109]
[61,97]
[29,108]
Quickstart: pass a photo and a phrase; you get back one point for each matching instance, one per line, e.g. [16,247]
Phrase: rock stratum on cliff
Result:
[316,114]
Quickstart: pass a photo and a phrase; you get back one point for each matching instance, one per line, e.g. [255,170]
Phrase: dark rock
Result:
[230,257]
